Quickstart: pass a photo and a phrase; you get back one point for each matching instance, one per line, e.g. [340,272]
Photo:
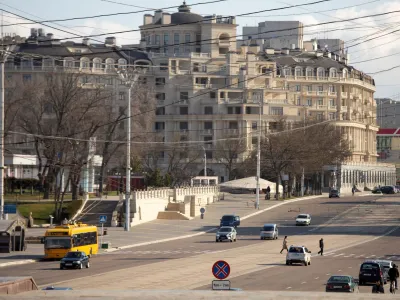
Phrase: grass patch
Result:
[41,211]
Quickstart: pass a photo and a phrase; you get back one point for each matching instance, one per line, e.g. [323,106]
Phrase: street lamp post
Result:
[205,162]
[258,157]
[3,57]
[129,76]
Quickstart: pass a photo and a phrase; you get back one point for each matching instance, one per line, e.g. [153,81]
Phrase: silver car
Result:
[269,231]
[226,233]
[387,265]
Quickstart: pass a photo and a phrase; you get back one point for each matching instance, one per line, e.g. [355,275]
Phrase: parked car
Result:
[371,272]
[75,260]
[386,264]
[334,194]
[269,231]
[387,189]
[342,283]
[230,221]
[226,234]
[298,254]
[398,188]
[303,219]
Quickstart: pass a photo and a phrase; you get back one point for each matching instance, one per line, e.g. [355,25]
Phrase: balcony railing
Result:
[232,100]
[321,93]
[332,93]
[206,132]
[321,106]
[343,108]
[344,94]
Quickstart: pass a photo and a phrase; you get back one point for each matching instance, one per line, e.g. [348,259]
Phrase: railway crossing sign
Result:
[102,219]
[221,270]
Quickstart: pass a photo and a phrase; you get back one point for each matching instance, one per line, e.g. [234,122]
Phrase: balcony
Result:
[311,93]
[232,100]
[321,93]
[182,102]
[322,106]
[200,55]
[344,94]
[332,94]
[343,108]
[224,43]
[332,107]
[254,101]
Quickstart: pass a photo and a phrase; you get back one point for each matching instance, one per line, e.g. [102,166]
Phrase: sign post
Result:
[102,220]
[221,271]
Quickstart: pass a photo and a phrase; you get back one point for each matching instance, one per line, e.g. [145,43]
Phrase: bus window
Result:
[57,242]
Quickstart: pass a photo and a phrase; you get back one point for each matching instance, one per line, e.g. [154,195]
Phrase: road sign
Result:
[221,285]
[102,219]
[10,209]
[221,269]
[202,210]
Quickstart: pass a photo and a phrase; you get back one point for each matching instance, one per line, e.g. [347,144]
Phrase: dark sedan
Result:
[75,260]
[342,283]
[334,194]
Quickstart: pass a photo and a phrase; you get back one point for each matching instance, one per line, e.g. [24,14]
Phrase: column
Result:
[90,177]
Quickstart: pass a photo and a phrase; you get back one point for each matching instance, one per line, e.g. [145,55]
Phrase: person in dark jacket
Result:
[378,288]
[268,193]
[393,275]
[321,246]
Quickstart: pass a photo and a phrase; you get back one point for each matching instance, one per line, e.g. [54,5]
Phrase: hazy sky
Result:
[334,10]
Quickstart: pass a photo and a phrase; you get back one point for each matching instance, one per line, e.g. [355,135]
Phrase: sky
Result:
[375,34]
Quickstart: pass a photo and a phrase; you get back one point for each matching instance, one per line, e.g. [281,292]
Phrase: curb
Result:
[210,230]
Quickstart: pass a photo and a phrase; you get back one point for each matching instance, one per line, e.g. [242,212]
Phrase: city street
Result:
[352,228]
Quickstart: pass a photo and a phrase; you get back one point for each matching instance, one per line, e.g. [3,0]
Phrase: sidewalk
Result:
[159,231]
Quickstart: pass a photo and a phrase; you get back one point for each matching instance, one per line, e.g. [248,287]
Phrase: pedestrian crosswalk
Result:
[161,252]
[362,256]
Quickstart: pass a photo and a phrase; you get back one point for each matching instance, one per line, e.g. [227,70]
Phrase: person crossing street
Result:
[321,246]
[284,245]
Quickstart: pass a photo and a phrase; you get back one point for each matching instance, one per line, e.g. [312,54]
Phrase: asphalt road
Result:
[298,278]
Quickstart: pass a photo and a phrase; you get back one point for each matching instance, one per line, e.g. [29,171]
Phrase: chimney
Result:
[347,58]
[50,36]
[293,46]
[166,18]
[110,41]
[86,41]
[41,32]
[34,32]
[285,51]
[314,45]
[148,19]
[157,16]
[270,51]
[142,44]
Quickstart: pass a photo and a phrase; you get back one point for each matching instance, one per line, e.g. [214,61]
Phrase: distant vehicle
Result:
[303,219]
[56,288]
[269,231]
[334,194]
[371,272]
[342,283]
[230,221]
[75,260]
[226,234]
[298,254]
[386,264]
[398,188]
[58,241]
[387,189]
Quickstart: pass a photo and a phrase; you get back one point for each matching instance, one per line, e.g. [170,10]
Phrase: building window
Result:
[160,96]
[183,125]
[164,66]
[332,102]
[187,38]
[287,72]
[208,140]
[254,125]
[213,95]
[277,111]
[166,39]
[160,111]
[321,73]
[298,100]
[333,73]
[184,95]
[209,154]
[332,116]
[160,81]
[309,102]
[208,110]
[298,72]
[234,110]
[176,39]
[320,88]
[85,79]
[121,110]
[157,41]
[187,49]
[148,39]
[198,39]
[109,81]
[332,89]
[320,116]
[184,110]
[233,125]
[310,73]
[159,126]
[208,125]
[320,102]
[254,140]
[176,50]
[298,88]
[309,88]
[26,77]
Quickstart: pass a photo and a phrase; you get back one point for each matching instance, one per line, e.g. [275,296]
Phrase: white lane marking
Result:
[358,256]
[340,271]
[350,267]
[289,287]
[339,254]
[303,282]
[316,277]
[328,274]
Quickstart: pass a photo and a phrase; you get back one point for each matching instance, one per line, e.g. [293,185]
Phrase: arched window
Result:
[310,72]
[224,37]
[287,71]
[298,72]
[122,63]
[321,73]
[26,63]
[97,64]
[110,65]
[85,63]
[333,73]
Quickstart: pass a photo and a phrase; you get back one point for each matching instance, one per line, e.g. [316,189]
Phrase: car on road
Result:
[342,283]
[334,194]
[371,272]
[230,221]
[387,264]
[303,219]
[298,254]
[75,260]
[56,288]
[398,188]
[387,189]
[226,233]
[269,231]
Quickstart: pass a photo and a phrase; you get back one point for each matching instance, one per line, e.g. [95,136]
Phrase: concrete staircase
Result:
[94,209]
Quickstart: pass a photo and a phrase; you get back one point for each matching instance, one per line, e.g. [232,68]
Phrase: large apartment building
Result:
[208,88]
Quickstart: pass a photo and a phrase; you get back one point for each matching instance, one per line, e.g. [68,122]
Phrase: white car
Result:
[226,233]
[303,219]
[298,254]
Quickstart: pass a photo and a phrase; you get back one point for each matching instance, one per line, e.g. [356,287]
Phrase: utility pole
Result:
[259,127]
[129,76]
[3,57]
[205,162]
[302,172]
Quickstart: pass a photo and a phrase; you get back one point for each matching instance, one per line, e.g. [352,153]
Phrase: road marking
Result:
[328,274]
[350,267]
[340,271]
[339,254]
[316,277]
[289,287]
[360,256]
[303,282]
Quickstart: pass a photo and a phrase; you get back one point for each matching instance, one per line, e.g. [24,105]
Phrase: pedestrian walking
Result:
[321,246]
[284,245]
